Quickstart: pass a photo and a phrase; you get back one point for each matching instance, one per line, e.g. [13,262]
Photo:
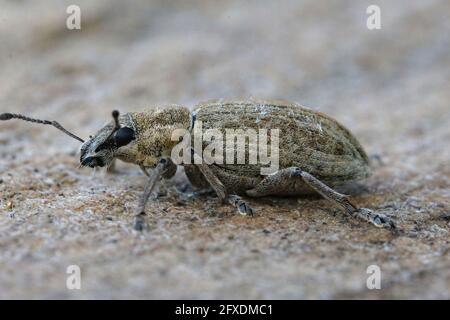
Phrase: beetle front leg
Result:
[144,170]
[164,169]
[280,179]
[112,167]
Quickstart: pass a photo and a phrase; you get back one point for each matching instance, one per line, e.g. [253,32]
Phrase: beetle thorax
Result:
[154,130]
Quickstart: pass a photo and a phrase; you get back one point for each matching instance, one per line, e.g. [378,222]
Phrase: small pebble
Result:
[9,205]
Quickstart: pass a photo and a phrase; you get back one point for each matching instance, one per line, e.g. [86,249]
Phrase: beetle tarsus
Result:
[281,181]
[377,219]
[242,207]
[139,222]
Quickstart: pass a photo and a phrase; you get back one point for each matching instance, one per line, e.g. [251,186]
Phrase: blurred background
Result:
[390,87]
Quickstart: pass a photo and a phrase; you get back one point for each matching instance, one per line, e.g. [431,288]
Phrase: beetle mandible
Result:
[316,152]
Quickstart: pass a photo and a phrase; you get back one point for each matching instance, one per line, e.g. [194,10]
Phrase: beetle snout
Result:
[92,162]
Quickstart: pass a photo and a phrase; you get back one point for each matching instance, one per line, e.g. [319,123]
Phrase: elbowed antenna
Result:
[108,140]
[115,115]
[9,116]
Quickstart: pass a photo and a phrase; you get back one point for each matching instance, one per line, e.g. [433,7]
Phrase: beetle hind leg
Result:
[278,182]
[379,220]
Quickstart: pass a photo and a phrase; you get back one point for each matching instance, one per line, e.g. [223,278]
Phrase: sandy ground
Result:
[391,87]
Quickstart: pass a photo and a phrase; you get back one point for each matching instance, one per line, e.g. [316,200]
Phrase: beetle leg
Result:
[164,169]
[144,170]
[379,220]
[220,189]
[212,179]
[242,207]
[112,167]
[273,183]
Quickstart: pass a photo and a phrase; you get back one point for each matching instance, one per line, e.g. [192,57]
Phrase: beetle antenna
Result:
[9,116]
[115,115]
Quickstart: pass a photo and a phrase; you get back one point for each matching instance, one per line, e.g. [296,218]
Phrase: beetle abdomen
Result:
[308,139]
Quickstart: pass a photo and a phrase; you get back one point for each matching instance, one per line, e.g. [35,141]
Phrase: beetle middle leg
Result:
[278,182]
[219,188]
[221,191]
[164,169]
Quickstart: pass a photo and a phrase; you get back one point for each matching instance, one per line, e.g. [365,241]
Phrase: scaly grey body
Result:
[308,139]
[315,151]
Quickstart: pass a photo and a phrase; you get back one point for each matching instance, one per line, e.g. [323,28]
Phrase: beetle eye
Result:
[124,136]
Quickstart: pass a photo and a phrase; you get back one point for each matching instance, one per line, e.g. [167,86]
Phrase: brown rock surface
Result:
[391,87]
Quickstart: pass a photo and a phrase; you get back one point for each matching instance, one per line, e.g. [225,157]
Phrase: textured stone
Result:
[390,87]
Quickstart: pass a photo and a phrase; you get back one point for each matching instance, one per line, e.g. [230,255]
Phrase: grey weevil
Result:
[316,152]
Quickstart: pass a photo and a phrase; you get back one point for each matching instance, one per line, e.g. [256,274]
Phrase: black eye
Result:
[123,136]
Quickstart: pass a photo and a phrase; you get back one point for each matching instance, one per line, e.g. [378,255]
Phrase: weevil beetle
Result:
[316,152]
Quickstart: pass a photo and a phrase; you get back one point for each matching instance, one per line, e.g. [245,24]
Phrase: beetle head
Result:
[113,140]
